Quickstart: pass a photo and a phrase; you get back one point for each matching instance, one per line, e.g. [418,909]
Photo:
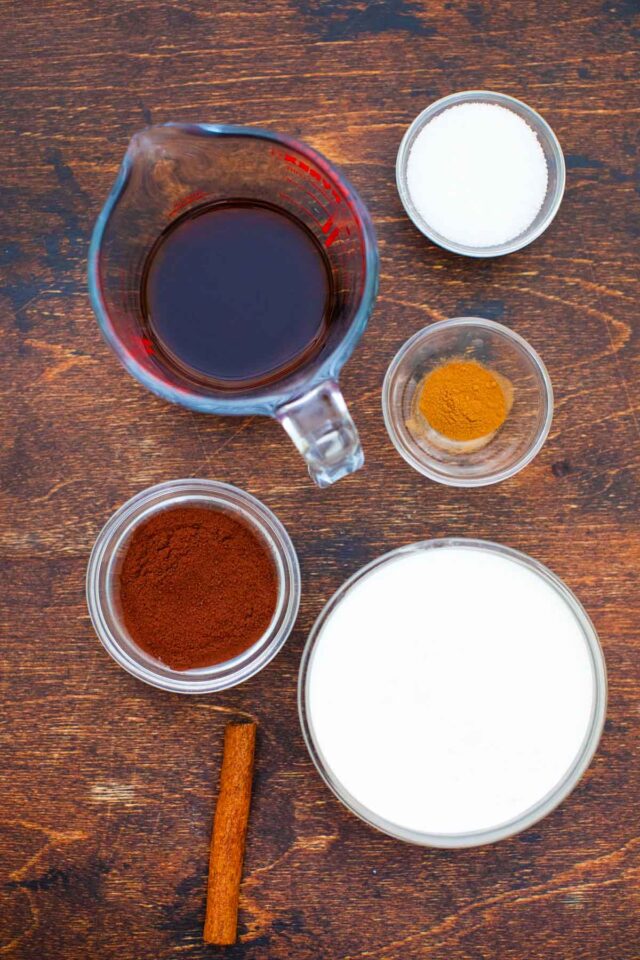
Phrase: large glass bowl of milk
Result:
[452,692]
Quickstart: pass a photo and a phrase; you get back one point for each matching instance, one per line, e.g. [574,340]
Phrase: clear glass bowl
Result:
[548,142]
[474,463]
[102,577]
[547,803]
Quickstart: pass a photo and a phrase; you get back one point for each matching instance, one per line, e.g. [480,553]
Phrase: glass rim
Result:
[396,436]
[262,402]
[547,803]
[537,124]
[228,673]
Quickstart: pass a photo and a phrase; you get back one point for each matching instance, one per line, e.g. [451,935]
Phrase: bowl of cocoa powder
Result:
[193,586]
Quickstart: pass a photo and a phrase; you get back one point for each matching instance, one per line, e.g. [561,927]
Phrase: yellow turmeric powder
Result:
[462,400]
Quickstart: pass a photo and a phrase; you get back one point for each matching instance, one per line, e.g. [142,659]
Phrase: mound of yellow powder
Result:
[462,400]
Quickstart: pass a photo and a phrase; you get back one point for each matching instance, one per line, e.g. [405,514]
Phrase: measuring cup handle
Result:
[319,424]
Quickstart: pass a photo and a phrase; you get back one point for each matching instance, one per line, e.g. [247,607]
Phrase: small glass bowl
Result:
[548,142]
[546,804]
[473,463]
[107,555]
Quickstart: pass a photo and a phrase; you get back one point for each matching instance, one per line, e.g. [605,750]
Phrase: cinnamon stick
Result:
[229,833]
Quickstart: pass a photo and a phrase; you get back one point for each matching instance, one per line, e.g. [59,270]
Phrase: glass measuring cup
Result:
[172,168]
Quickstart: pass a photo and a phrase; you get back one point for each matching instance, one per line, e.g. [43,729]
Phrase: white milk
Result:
[450,690]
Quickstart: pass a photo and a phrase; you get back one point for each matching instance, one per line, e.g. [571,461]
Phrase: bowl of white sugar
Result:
[452,693]
[480,173]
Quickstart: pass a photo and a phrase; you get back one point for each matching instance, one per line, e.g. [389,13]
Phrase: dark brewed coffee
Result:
[237,294]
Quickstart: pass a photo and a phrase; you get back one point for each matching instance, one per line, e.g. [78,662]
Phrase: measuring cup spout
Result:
[164,162]
[321,427]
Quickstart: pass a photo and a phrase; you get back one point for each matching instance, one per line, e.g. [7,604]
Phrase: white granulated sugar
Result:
[477,174]
[450,690]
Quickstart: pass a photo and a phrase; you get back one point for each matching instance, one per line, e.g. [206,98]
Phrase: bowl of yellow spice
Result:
[467,402]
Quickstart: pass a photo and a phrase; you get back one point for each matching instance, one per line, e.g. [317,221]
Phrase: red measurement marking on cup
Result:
[314,196]
[148,345]
[300,206]
[306,168]
[326,226]
[190,198]
[332,236]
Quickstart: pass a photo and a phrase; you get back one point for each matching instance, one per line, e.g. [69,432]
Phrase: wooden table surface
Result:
[107,784]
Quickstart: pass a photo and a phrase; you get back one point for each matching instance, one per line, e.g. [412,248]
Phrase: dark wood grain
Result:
[107,785]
